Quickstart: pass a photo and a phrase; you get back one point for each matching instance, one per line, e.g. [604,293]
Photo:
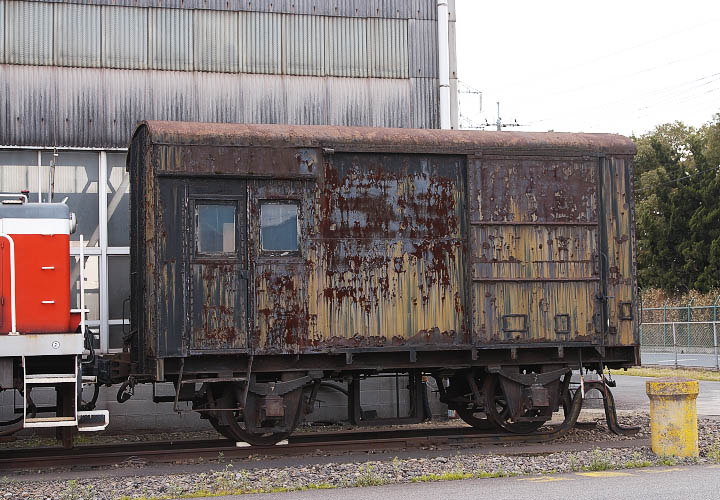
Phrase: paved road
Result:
[700,482]
[668,359]
[630,395]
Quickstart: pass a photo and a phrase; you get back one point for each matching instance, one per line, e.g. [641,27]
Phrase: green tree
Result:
[677,190]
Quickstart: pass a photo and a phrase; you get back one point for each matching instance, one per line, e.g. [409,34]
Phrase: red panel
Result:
[33,284]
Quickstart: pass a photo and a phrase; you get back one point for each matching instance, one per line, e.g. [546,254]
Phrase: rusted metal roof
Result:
[381,139]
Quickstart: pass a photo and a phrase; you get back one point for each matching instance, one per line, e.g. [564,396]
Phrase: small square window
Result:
[279,227]
[215,229]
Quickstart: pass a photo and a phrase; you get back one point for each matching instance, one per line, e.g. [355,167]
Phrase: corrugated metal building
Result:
[76,76]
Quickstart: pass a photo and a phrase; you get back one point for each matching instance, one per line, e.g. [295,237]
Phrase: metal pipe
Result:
[82,285]
[675,344]
[689,320]
[715,342]
[664,308]
[13,323]
[443,63]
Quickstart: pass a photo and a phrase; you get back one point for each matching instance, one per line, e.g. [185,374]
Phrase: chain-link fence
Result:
[680,340]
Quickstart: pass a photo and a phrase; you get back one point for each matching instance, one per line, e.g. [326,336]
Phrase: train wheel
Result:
[476,418]
[498,410]
[236,425]
[461,395]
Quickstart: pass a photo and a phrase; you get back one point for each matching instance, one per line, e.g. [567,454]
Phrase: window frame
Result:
[197,255]
[280,253]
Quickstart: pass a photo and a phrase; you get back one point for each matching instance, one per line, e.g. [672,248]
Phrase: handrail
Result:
[82,285]
[11,196]
[13,330]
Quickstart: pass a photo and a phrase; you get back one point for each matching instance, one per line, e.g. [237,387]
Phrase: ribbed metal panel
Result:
[77,35]
[83,123]
[348,101]
[422,39]
[391,9]
[29,33]
[400,9]
[306,100]
[171,39]
[93,107]
[304,45]
[389,102]
[388,48]
[346,46]
[452,43]
[124,37]
[127,99]
[260,42]
[174,96]
[422,9]
[27,97]
[348,8]
[425,97]
[219,97]
[216,41]
[264,98]
[303,7]
[2,31]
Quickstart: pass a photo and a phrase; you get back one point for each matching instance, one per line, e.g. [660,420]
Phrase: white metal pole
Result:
[82,285]
[443,63]
[39,182]
[675,344]
[13,322]
[715,345]
[103,267]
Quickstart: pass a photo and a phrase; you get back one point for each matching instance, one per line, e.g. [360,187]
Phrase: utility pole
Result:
[499,124]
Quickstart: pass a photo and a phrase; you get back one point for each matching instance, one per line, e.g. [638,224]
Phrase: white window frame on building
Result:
[106,206]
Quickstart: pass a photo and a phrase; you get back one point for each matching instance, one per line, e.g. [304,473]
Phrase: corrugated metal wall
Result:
[171,39]
[303,45]
[216,41]
[345,62]
[2,31]
[346,40]
[261,42]
[124,37]
[113,101]
[78,35]
[29,32]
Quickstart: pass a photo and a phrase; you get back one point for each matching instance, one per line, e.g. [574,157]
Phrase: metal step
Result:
[51,378]
[95,420]
[50,422]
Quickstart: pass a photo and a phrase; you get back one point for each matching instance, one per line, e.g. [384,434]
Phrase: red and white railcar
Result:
[42,340]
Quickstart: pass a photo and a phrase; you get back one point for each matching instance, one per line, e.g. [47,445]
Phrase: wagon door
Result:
[534,239]
[218,265]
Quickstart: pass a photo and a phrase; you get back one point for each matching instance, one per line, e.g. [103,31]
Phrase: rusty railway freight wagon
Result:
[267,259]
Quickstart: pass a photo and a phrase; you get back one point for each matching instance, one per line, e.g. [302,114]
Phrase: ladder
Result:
[66,384]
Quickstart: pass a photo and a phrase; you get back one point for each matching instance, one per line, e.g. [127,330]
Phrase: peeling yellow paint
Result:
[673,416]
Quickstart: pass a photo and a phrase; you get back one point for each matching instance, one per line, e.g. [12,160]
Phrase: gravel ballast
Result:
[606,451]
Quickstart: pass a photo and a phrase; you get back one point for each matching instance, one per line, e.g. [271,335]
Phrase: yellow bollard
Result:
[673,416]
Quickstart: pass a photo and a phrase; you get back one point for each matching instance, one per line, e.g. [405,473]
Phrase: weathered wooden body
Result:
[415,248]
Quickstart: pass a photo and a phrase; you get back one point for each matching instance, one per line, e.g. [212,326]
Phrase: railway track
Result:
[299,444]
[302,444]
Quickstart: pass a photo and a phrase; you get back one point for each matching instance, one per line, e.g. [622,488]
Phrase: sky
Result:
[588,66]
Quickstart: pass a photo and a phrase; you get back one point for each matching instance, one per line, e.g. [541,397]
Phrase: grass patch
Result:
[599,461]
[646,371]
[713,452]
[636,462]
[368,477]
[445,476]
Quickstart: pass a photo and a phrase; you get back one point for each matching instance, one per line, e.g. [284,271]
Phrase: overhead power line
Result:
[602,57]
